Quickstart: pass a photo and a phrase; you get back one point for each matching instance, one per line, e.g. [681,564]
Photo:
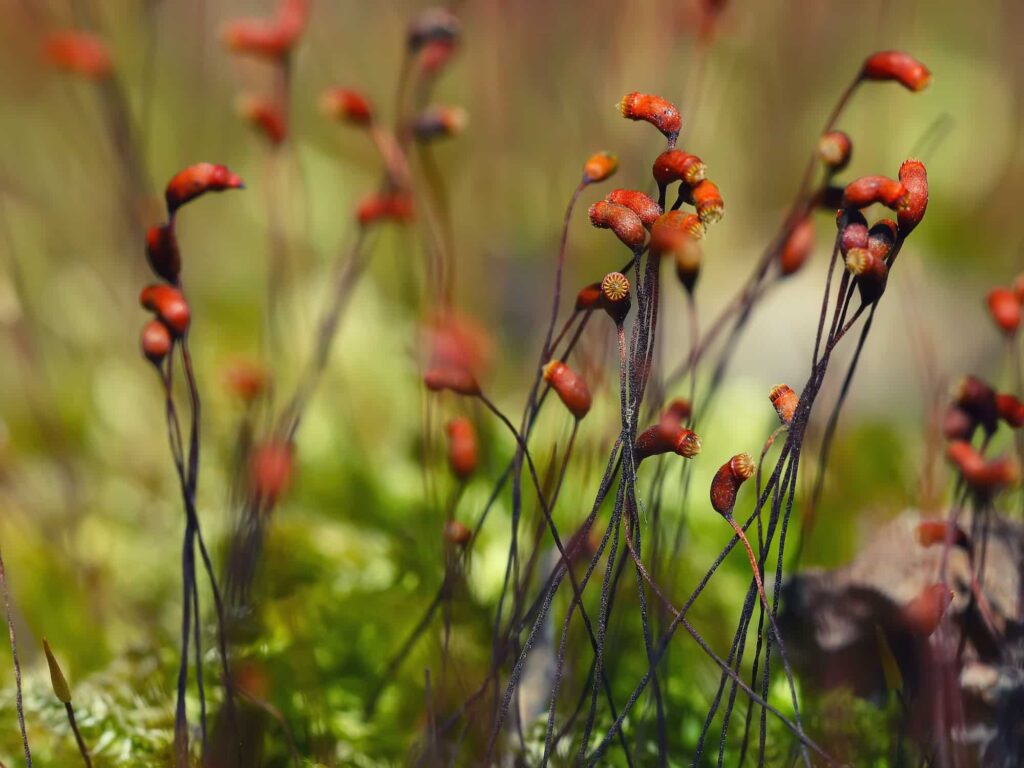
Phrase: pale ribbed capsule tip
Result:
[743,466]
[615,286]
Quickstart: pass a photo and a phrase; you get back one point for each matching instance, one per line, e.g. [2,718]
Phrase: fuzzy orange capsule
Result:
[688,258]
[1005,310]
[169,305]
[457,380]
[671,229]
[872,272]
[898,66]
[246,379]
[570,388]
[932,532]
[462,447]
[674,165]
[798,246]
[265,116]
[271,465]
[262,38]
[589,297]
[1011,410]
[457,533]
[162,252]
[982,476]
[626,225]
[196,180]
[785,401]
[675,416]
[923,614]
[643,206]
[869,190]
[835,150]
[439,122]
[390,206]
[664,437]
[727,481]
[600,166]
[914,178]
[708,201]
[79,53]
[346,105]
[1018,288]
[660,113]
[156,341]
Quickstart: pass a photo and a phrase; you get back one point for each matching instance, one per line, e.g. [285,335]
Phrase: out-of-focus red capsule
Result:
[78,52]
[435,56]
[433,25]
[1018,288]
[978,399]
[798,246]
[169,305]
[571,388]
[898,66]
[674,165]
[914,178]
[196,180]
[246,379]
[385,206]
[600,166]
[263,38]
[271,465]
[453,340]
[589,297]
[626,225]
[346,105]
[266,116]
[457,380]
[643,206]
[987,477]
[727,481]
[957,424]
[932,532]
[708,201]
[162,252]
[439,122]
[661,438]
[462,447]
[1011,410]
[869,190]
[457,533]
[835,149]
[292,16]
[872,272]
[688,259]
[923,614]
[675,416]
[785,401]
[156,341]
[882,237]
[660,113]
[670,230]
[1005,310]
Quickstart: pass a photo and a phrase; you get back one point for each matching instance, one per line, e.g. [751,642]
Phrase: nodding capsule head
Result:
[882,237]
[785,401]
[983,477]
[457,533]
[385,206]
[246,379]
[687,443]
[835,149]
[727,482]
[79,53]
[170,307]
[462,447]
[262,38]
[1011,410]
[346,105]
[1005,309]
[872,272]
[433,25]
[156,341]
[667,436]
[571,389]
[674,165]
[688,258]
[897,66]
[457,380]
[643,206]
[914,178]
[798,246]
[923,614]
[270,469]
[671,229]
[869,190]
[162,252]
[266,116]
[708,201]
[195,180]
[600,166]
[626,225]
[440,122]
[932,532]
[978,399]
[655,110]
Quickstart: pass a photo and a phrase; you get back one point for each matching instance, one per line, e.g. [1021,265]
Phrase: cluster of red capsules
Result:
[272,40]
[977,406]
[166,301]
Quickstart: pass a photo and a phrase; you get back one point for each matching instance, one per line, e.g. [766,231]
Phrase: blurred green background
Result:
[90,513]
